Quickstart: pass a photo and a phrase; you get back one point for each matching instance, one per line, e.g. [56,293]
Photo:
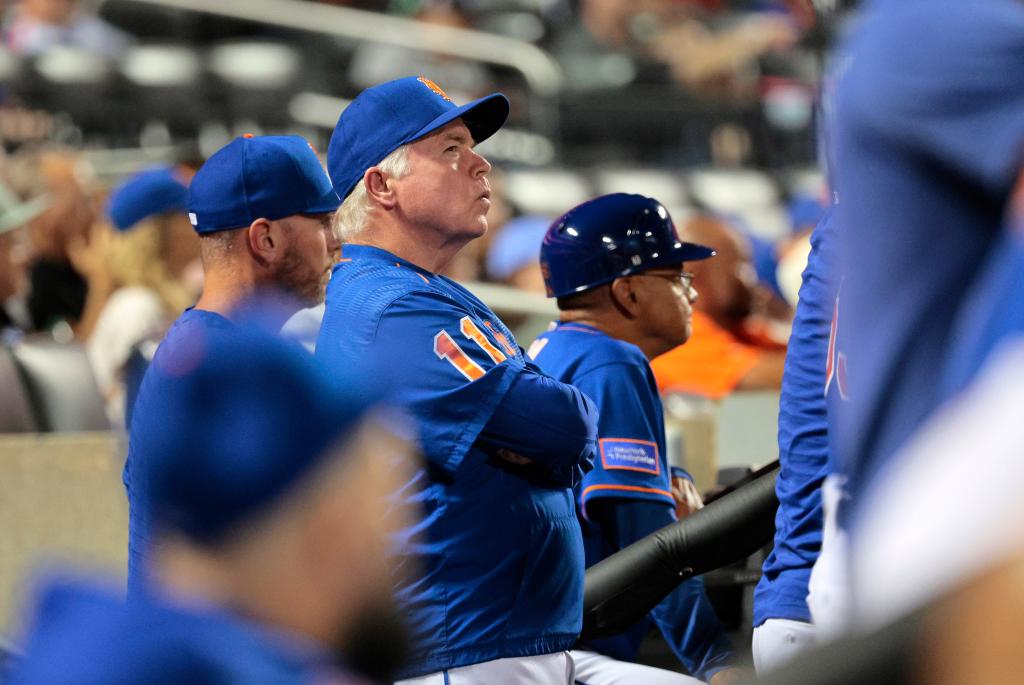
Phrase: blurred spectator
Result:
[149,274]
[617,42]
[14,215]
[34,26]
[730,348]
[464,80]
[514,253]
[58,236]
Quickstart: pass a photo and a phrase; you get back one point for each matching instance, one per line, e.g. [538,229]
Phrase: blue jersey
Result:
[630,472]
[85,635]
[188,332]
[803,437]
[499,552]
[928,139]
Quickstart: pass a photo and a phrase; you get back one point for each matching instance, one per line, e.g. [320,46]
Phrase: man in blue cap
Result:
[262,207]
[270,492]
[615,264]
[500,598]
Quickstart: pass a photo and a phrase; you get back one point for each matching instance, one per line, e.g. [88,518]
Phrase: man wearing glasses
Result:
[615,265]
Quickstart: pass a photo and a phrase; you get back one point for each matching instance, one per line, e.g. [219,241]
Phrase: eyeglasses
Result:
[685,278]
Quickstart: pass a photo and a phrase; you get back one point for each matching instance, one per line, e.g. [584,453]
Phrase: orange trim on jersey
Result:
[626,488]
[448,349]
[417,273]
[473,332]
[502,340]
[346,259]
[657,457]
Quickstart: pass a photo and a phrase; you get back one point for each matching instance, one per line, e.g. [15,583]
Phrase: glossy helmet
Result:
[609,237]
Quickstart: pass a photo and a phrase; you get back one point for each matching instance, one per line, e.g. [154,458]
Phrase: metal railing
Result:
[540,71]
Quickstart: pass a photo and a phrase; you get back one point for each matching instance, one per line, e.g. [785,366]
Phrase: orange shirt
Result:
[711,363]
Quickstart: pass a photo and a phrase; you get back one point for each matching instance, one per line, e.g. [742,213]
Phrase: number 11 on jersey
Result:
[445,347]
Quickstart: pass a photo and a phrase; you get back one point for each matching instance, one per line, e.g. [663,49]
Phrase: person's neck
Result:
[425,249]
[191,578]
[224,290]
[616,326]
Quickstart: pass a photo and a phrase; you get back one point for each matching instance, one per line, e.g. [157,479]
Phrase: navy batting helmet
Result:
[608,237]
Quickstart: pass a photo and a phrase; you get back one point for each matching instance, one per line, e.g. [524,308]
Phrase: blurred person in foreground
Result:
[147,275]
[35,26]
[14,250]
[271,500]
[616,265]
[726,351]
[262,208]
[501,596]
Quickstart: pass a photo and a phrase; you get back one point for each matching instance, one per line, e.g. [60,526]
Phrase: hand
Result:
[513,458]
[728,676]
[688,500]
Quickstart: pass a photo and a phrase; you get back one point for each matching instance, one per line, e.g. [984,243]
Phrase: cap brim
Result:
[692,252]
[482,117]
[22,213]
[328,203]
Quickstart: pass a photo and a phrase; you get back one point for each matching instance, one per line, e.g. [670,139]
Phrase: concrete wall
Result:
[61,499]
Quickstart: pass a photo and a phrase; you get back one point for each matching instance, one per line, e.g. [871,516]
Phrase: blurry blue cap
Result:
[385,117]
[269,177]
[247,414]
[805,211]
[147,193]
[517,245]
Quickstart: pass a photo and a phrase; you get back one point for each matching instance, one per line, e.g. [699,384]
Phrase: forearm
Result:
[550,423]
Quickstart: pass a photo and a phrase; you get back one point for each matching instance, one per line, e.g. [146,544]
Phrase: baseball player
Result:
[500,595]
[268,499]
[262,207]
[782,619]
[928,142]
[615,264]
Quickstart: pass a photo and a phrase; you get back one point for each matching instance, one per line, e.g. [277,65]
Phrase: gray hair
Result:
[351,216]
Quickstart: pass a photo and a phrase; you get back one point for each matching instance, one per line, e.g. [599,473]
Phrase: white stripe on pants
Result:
[597,669]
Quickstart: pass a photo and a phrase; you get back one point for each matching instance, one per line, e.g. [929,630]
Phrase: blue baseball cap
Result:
[253,177]
[385,117]
[159,190]
[247,415]
[516,246]
[609,237]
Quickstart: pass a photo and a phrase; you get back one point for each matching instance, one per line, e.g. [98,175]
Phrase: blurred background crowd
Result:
[707,105]
[108,107]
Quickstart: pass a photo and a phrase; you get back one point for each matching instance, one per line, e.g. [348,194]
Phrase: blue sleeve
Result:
[629,462]
[450,384]
[685,618]
[959,89]
[551,423]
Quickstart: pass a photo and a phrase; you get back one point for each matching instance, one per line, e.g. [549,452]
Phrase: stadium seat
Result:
[166,81]
[547,192]
[257,77]
[61,386]
[732,190]
[665,187]
[16,415]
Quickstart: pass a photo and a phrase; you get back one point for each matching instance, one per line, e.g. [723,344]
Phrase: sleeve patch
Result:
[630,455]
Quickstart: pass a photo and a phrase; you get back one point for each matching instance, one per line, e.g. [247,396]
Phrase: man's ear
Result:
[265,241]
[379,187]
[625,297]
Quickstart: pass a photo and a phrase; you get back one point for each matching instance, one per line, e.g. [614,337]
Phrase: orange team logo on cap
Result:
[434,87]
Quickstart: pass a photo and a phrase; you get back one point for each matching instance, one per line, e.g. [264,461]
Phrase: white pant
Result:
[829,589]
[778,640]
[597,669]
[545,669]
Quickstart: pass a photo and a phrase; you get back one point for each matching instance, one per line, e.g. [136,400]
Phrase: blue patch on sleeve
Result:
[630,455]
